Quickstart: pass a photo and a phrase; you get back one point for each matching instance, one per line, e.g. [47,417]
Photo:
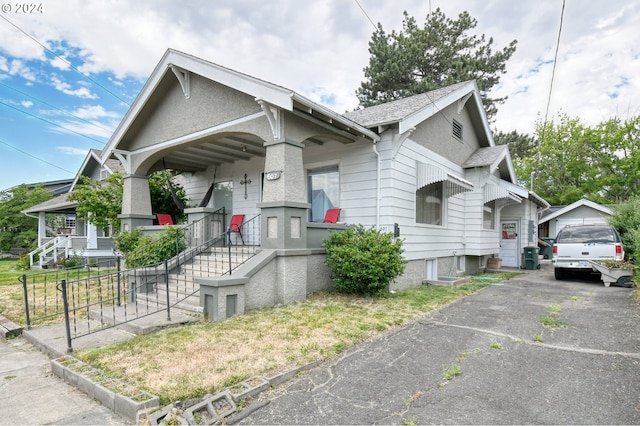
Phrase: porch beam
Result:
[349,136]
[191,158]
[184,166]
[201,134]
[225,150]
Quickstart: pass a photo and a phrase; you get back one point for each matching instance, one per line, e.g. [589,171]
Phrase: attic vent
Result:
[457,130]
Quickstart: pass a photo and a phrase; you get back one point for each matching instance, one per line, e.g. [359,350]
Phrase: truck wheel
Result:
[559,273]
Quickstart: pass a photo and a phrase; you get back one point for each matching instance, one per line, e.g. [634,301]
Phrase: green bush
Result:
[626,220]
[139,250]
[363,260]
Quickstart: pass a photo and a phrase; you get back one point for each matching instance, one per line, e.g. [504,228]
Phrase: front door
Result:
[509,244]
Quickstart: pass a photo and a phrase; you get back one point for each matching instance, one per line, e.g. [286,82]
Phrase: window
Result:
[104,174]
[429,204]
[223,197]
[70,221]
[323,185]
[457,130]
[488,215]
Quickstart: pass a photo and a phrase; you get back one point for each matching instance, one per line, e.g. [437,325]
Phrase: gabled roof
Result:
[494,157]
[286,99]
[413,110]
[111,165]
[573,206]
[58,204]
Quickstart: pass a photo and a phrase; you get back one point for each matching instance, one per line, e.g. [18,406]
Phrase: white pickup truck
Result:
[576,245]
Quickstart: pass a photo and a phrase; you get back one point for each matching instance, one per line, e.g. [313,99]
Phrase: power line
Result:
[55,107]
[367,15]
[555,62]
[65,61]
[36,158]
[52,123]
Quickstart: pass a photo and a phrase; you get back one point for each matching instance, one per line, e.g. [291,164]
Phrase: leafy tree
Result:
[573,161]
[363,260]
[101,202]
[162,200]
[520,144]
[417,60]
[17,229]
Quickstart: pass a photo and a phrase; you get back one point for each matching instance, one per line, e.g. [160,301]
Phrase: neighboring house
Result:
[425,166]
[582,212]
[72,236]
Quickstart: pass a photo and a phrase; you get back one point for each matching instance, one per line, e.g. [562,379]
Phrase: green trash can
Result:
[531,258]
[546,251]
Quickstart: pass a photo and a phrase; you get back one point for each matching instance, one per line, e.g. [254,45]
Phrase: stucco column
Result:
[284,207]
[136,203]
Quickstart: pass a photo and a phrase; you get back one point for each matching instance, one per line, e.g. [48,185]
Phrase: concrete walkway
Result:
[587,371]
[31,395]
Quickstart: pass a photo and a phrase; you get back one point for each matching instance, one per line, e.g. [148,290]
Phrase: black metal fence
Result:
[93,299]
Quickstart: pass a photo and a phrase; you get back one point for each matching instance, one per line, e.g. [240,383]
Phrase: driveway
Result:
[512,368]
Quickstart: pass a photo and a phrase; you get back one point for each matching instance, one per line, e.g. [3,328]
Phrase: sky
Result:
[69,70]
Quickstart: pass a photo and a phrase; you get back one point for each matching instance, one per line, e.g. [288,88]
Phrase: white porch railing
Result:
[54,245]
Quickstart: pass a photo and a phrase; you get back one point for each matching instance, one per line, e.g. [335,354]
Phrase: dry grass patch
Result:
[191,361]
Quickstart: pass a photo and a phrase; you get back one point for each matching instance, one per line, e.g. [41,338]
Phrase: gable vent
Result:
[457,130]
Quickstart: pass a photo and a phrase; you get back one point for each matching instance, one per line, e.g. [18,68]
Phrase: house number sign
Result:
[275,175]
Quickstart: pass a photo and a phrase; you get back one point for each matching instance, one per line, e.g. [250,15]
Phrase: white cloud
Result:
[320,48]
[26,104]
[69,150]
[82,92]
[60,63]
[19,68]
[94,111]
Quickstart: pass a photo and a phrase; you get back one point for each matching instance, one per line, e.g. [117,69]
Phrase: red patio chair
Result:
[236,226]
[164,219]
[332,215]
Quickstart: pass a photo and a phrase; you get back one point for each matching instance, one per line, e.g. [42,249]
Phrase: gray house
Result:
[72,236]
[425,167]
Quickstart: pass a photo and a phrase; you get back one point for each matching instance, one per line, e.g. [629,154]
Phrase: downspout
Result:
[375,151]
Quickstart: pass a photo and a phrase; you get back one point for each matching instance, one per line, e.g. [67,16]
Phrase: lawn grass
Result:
[44,299]
[191,361]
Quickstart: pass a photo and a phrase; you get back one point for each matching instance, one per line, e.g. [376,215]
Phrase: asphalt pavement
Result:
[512,369]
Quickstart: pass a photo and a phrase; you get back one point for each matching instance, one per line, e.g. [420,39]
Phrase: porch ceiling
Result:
[212,151]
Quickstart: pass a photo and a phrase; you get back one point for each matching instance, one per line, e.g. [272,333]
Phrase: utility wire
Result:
[52,123]
[375,28]
[555,62]
[65,61]
[58,108]
[36,158]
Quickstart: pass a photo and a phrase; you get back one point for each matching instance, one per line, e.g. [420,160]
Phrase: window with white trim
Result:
[430,204]
[323,185]
[489,215]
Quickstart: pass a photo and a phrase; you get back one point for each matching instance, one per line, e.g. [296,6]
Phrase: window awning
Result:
[494,192]
[453,185]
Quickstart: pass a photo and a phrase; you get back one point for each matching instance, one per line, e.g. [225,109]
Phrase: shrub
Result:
[139,250]
[363,260]
[626,220]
